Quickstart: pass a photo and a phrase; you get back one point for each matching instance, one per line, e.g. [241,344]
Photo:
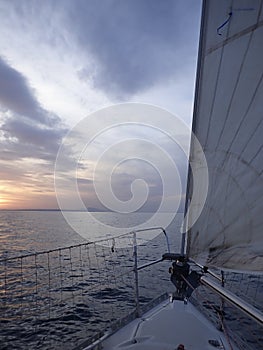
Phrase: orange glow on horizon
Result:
[26,197]
[4,197]
[9,197]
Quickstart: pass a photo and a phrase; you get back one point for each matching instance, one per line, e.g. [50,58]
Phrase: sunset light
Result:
[72,71]
[4,197]
[131,174]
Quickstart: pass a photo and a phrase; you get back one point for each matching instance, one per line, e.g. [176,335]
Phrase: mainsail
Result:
[228,121]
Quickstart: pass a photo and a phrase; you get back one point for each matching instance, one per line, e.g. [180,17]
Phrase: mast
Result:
[186,234]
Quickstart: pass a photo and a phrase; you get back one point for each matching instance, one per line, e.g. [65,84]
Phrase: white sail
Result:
[228,121]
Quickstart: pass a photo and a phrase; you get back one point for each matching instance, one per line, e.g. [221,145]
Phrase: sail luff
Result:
[186,240]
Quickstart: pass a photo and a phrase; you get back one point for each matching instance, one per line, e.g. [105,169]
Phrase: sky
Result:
[61,62]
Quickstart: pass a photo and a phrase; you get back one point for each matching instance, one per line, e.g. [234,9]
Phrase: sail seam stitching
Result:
[234,92]
[213,101]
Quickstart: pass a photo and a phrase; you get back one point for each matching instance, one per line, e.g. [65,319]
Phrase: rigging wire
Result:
[211,304]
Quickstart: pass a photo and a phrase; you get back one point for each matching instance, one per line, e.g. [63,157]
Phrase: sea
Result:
[58,288]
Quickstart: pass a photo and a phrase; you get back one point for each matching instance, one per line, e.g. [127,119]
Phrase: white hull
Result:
[165,327]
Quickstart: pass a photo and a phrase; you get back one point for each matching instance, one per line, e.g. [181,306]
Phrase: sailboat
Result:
[227,235]
[41,292]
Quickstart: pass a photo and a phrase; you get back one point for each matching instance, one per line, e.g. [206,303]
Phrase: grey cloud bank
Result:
[121,48]
[17,96]
[24,122]
[136,44]
[129,46]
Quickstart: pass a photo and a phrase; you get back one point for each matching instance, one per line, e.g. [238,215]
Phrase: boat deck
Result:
[166,327]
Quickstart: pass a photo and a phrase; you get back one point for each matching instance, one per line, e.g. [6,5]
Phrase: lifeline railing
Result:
[218,312]
[58,298]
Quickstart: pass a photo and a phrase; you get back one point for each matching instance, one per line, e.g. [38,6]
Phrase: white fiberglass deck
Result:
[165,327]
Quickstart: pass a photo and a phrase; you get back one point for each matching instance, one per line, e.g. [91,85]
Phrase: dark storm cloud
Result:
[21,140]
[17,96]
[129,45]
[135,43]
[27,130]
[32,134]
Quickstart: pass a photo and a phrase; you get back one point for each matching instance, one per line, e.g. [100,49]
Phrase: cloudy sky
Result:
[61,61]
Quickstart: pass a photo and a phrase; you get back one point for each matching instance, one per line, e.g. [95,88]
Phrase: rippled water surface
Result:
[59,298]
[56,299]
